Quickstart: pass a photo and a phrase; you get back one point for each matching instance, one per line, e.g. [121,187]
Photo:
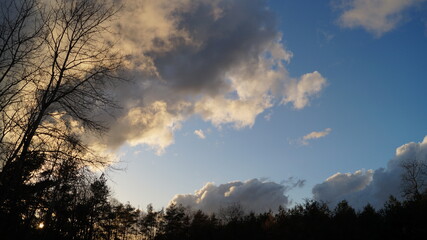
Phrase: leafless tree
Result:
[71,65]
[414,177]
[55,66]
[231,213]
[20,41]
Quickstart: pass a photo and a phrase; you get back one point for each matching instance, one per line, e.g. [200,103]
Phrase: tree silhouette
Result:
[345,220]
[203,226]
[149,223]
[54,64]
[370,223]
[175,223]
[231,213]
[414,178]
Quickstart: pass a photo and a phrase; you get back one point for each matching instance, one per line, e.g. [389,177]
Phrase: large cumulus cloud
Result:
[222,60]
[371,186]
[253,195]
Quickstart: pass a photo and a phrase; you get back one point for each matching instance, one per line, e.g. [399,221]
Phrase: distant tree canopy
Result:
[309,220]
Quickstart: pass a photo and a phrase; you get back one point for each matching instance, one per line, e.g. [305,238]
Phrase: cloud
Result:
[371,186]
[152,125]
[221,60]
[324,37]
[299,92]
[375,16]
[293,182]
[313,135]
[268,115]
[200,133]
[341,184]
[316,135]
[253,195]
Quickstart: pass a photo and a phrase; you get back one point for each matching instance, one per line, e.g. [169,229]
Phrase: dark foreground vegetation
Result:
[55,71]
[76,210]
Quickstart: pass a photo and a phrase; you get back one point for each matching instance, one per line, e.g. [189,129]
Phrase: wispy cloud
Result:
[315,135]
[268,115]
[200,133]
[324,36]
[375,16]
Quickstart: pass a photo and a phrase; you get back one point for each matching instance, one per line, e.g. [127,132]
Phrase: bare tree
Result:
[55,67]
[232,212]
[73,65]
[414,177]
[20,41]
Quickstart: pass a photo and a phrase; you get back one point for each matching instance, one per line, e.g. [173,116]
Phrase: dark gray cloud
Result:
[240,32]
[222,60]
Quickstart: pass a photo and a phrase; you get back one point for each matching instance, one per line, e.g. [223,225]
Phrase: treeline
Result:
[78,210]
[309,220]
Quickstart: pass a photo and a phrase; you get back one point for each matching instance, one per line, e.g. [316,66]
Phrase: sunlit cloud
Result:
[314,135]
[299,92]
[199,133]
[152,125]
[375,16]
[221,60]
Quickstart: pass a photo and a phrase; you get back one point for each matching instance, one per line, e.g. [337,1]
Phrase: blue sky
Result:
[373,102]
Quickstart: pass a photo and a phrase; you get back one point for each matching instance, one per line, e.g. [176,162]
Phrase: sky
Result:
[268,103]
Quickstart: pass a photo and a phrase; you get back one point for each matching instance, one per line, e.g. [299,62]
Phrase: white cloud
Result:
[371,186]
[200,133]
[316,135]
[222,60]
[253,195]
[152,125]
[299,91]
[375,16]
[313,135]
